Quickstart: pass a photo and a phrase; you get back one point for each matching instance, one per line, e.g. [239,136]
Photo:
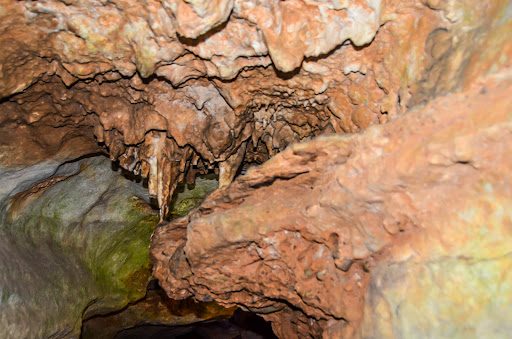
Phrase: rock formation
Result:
[386,126]
[63,248]
[155,309]
[172,88]
[327,234]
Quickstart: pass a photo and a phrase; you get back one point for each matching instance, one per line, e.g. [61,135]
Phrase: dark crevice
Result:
[192,320]
[242,325]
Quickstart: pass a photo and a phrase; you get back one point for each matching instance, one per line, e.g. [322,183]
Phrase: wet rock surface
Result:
[73,246]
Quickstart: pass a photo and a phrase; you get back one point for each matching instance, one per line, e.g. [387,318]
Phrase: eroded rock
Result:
[72,246]
[311,238]
[153,310]
[175,89]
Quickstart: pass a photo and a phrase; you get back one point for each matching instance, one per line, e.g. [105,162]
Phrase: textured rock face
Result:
[401,231]
[146,36]
[187,196]
[73,246]
[174,88]
[325,238]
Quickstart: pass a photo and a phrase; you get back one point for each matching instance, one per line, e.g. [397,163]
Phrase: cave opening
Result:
[158,317]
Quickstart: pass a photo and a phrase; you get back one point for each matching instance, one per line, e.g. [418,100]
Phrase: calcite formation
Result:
[174,90]
[350,236]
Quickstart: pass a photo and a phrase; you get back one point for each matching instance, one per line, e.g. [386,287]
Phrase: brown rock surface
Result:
[154,309]
[175,88]
[172,87]
[298,238]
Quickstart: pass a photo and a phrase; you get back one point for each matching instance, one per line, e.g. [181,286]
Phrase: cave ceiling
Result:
[171,89]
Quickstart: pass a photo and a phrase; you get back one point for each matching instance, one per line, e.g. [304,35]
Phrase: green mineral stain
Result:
[86,241]
[186,197]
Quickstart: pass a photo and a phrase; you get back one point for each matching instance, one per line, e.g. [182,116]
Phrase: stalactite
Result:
[229,167]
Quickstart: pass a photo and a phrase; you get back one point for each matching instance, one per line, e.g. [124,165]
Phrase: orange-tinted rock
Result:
[174,88]
[109,65]
[303,233]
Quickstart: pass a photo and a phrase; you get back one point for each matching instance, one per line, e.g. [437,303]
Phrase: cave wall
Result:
[72,245]
[174,89]
[401,231]
[164,95]
[169,98]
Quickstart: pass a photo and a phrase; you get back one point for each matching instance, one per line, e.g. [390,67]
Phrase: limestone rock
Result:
[154,309]
[72,246]
[352,236]
[188,196]
[175,89]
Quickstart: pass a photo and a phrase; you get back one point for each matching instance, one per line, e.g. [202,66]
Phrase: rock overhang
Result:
[172,89]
